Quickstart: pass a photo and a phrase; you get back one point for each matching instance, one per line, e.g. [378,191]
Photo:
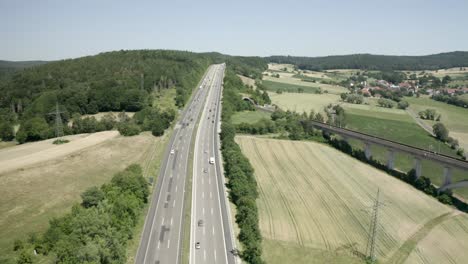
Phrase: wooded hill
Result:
[377,62]
[112,81]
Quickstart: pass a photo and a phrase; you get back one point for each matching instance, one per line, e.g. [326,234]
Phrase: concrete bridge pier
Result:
[447,176]
[417,167]
[391,159]
[367,150]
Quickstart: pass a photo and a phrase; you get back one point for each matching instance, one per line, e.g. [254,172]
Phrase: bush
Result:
[6,131]
[18,245]
[92,197]
[440,132]
[403,104]
[128,129]
[387,103]
[33,129]
[60,141]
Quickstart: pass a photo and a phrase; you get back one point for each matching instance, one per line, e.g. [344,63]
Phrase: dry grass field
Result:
[315,201]
[301,102]
[280,67]
[247,81]
[35,192]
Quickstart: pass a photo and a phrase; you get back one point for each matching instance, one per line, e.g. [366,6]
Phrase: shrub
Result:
[403,104]
[440,132]
[33,129]
[128,129]
[6,131]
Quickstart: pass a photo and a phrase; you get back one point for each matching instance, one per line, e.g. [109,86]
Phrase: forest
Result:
[112,81]
[377,62]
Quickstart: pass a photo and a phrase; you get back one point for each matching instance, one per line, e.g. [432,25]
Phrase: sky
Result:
[52,30]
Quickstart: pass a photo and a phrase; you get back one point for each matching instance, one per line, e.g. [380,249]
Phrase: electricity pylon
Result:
[372,236]
[58,121]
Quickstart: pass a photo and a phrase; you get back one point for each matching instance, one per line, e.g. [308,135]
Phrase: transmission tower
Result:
[372,236]
[58,121]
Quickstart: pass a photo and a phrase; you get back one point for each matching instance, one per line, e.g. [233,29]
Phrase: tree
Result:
[403,104]
[128,129]
[25,258]
[92,197]
[6,131]
[157,128]
[446,80]
[440,132]
[33,129]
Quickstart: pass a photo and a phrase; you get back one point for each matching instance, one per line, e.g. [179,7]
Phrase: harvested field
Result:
[247,81]
[315,205]
[28,154]
[335,89]
[301,102]
[280,67]
[47,188]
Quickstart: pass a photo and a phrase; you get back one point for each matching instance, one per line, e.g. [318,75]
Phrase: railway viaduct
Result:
[418,154]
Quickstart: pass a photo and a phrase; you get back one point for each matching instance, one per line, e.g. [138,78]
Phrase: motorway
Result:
[210,224]
[161,239]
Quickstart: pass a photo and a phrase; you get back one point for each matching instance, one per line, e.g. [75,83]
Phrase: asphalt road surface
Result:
[161,239]
[210,221]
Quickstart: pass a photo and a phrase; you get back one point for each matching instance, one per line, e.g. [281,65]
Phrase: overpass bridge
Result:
[392,147]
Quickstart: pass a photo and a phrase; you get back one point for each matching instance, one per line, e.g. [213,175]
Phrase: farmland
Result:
[46,182]
[314,206]
[453,117]
[249,117]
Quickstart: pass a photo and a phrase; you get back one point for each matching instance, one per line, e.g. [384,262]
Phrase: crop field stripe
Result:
[410,244]
[323,233]
[332,191]
[265,200]
[283,199]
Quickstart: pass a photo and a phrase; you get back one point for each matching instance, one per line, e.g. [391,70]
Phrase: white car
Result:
[212,160]
[197,245]
[172,152]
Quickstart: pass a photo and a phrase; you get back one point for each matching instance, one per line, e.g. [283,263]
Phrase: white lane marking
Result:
[159,243]
[213,230]
[203,210]
[176,188]
[203,195]
[173,204]
[209,181]
[162,222]
[171,221]
[215,255]
[204,231]
[211,195]
[211,211]
[204,254]
[168,243]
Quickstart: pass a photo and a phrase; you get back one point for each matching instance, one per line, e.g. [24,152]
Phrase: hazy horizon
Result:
[54,30]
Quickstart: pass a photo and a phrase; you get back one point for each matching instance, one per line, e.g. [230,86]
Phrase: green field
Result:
[287,87]
[314,207]
[249,117]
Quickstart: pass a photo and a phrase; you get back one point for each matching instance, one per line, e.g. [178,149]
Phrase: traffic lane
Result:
[166,224]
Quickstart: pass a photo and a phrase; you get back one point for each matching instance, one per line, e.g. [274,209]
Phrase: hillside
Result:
[377,62]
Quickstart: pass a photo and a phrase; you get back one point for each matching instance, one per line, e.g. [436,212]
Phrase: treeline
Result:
[242,184]
[97,230]
[376,62]
[451,99]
